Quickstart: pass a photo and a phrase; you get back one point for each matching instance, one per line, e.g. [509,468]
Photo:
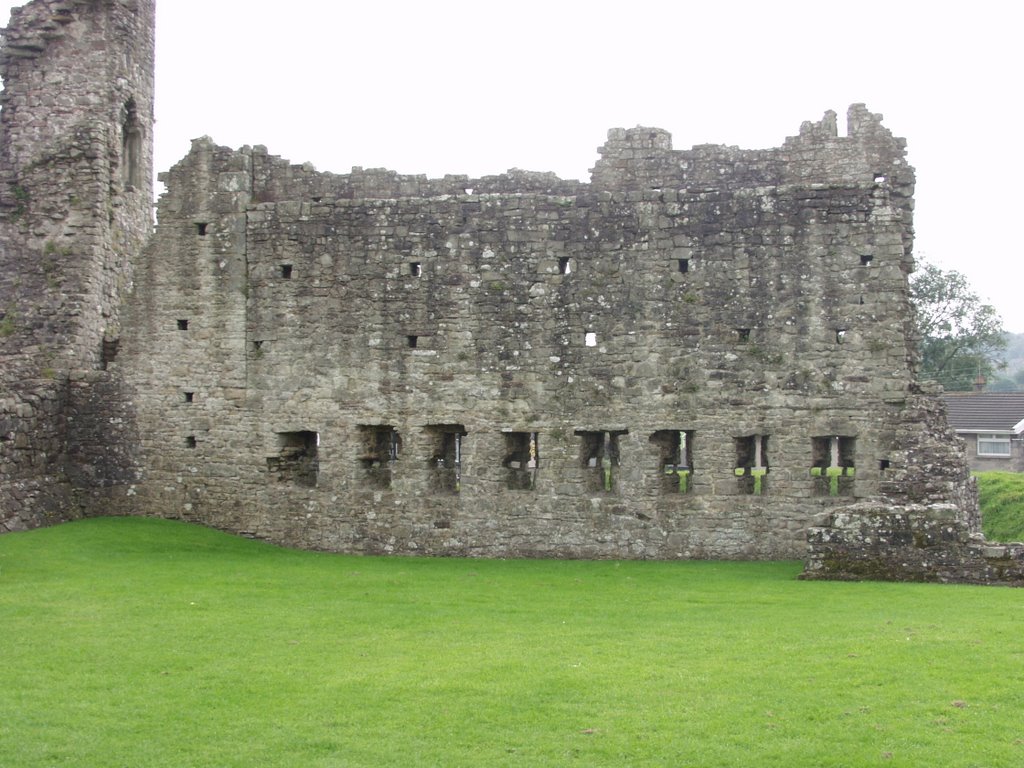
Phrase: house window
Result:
[994,445]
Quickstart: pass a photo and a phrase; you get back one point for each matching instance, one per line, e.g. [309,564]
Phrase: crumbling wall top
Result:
[643,158]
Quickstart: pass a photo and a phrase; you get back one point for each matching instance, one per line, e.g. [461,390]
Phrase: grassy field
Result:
[129,642]
[1002,505]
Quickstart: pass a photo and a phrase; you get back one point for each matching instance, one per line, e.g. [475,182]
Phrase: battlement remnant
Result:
[699,353]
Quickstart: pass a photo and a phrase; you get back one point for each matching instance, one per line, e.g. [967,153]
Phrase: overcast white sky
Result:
[476,87]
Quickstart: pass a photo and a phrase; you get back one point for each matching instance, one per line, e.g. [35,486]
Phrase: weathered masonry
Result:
[696,355]
[699,353]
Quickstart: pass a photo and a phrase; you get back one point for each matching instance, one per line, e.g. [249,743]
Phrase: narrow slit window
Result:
[416,268]
[840,335]
[684,265]
[131,147]
[286,271]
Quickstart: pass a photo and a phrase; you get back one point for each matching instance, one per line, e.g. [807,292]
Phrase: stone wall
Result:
[883,542]
[701,353]
[75,206]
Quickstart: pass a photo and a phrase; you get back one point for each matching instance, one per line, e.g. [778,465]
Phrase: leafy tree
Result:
[961,338]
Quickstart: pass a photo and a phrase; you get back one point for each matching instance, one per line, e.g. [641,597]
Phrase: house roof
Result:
[985,411]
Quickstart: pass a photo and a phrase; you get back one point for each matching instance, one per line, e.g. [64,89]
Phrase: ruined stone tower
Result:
[75,208]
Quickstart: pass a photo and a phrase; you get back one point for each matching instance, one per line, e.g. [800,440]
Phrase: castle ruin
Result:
[704,353]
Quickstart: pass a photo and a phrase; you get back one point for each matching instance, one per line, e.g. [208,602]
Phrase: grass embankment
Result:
[1002,505]
[146,643]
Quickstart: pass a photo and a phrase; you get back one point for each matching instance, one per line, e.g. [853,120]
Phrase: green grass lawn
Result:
[1002,505]
[130,642]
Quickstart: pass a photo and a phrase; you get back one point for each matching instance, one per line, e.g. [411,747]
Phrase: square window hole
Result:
[684,265]
[201,228]
[564,266]
[190,397]
[416,268]
[183,325]
[412,341]
[190,441]
[286,271]
[297,461]
[866,259]
[590,339]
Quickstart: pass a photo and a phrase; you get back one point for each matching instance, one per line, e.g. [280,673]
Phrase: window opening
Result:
[379,451]
[840,335]
[599,452]
[416,268]
[201,228]
[564,266]
[879,178]
[446,461]
[833,464]
[183,325]
[994,446]
[590,339]
[131,150]
[297,461]
[286,271]
[108,352]
[742,335]
[866,259]
[190,441]
[684,266]
[884,464]
[676,459]
[190,397]
[413,341]
[522,459]
[752,464]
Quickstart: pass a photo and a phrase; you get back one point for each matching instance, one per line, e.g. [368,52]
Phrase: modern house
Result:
[991,423]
